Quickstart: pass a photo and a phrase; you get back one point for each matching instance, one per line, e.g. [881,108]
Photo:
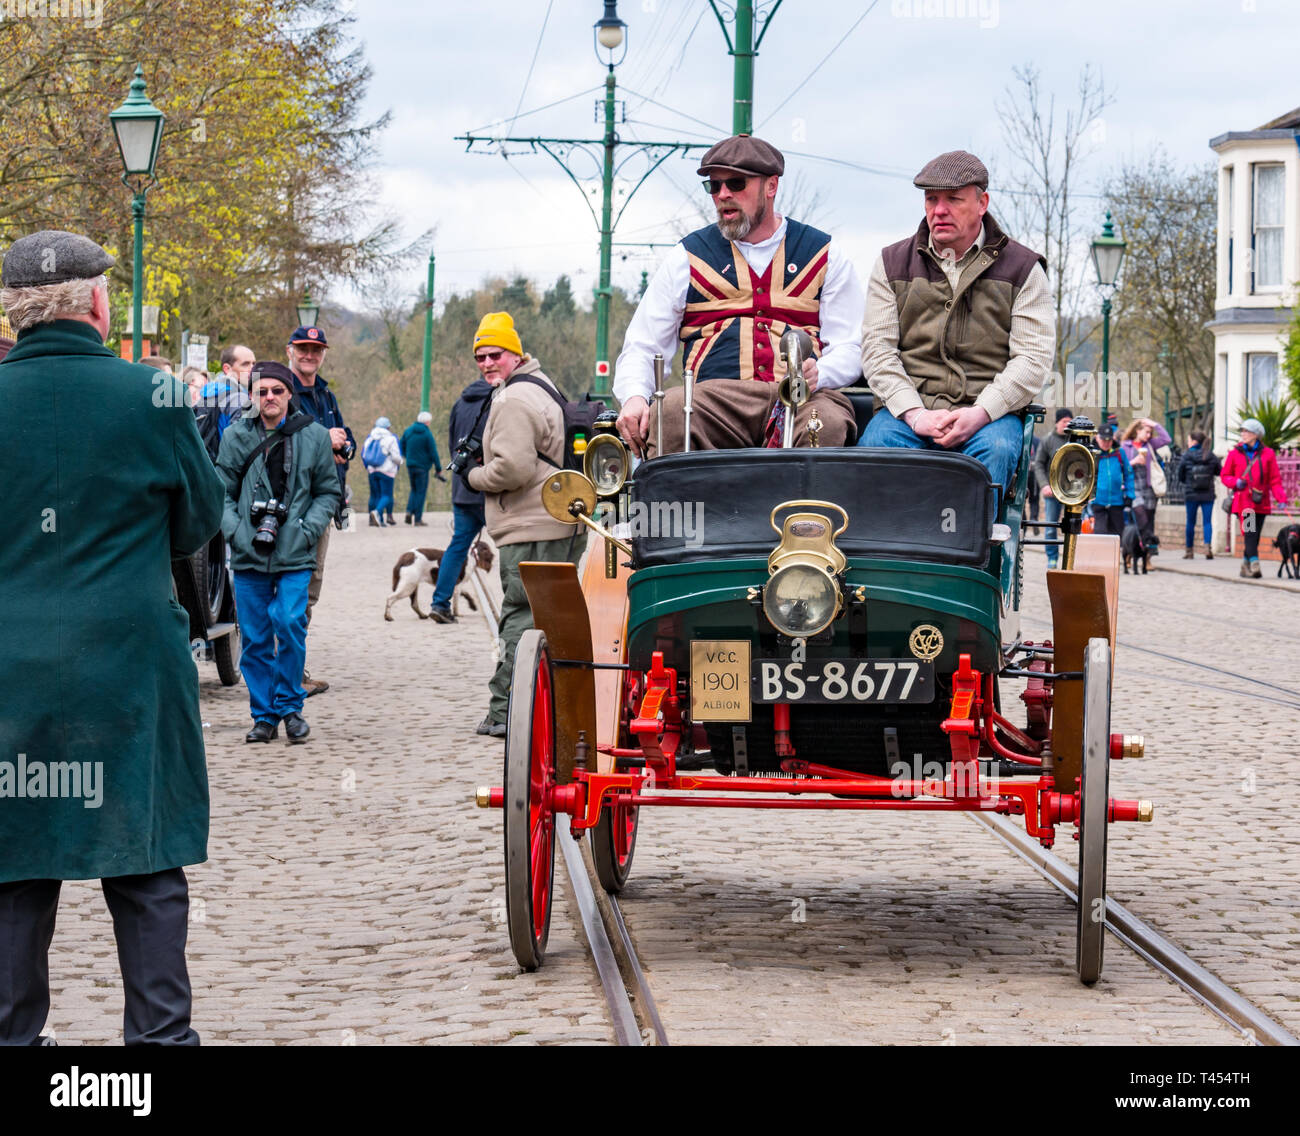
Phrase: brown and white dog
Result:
[420,566]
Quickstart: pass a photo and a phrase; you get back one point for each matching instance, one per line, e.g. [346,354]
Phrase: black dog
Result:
[1287,543]
[1135,550]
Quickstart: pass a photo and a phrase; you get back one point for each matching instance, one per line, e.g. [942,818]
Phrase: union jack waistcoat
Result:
[735,317]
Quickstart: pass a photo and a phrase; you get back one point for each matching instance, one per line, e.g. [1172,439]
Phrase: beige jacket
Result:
[523,421]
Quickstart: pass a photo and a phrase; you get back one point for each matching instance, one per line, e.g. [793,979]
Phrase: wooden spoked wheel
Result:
[529,812]
[613,841]
[1094,805]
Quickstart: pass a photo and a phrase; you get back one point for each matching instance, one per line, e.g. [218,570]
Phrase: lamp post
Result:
[1107,256]
[137,126]
[308,310]
[610,34]
[428,338]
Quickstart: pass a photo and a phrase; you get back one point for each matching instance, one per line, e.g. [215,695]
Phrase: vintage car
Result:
[808,628]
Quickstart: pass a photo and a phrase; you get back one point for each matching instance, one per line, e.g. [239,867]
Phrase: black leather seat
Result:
[902,504]
[864,404]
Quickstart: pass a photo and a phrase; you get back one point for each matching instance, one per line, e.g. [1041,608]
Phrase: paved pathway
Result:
[354,894]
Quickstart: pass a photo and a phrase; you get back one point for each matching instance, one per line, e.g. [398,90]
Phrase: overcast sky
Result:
[906,82]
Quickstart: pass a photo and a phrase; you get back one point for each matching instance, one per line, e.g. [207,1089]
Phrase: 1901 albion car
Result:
[829,619]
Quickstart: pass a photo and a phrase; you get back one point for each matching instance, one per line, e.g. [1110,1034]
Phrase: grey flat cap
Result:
[745,153]
[52,257]
[952,170]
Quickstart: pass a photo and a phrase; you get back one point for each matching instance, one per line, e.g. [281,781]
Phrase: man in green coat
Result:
[102,770]
[281,495]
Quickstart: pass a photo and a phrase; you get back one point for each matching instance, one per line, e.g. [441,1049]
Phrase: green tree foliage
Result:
[517,299]
[1277,416]
[262,169]
[1291,353]
[557,303]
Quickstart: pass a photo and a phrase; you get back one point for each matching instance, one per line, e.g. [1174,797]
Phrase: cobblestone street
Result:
[354,894]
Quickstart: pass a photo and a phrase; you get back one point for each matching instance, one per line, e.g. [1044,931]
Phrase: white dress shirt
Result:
[656,326]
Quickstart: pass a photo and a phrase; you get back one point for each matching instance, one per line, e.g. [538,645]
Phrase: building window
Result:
[1229,226]
[1270,193]
[1261,376]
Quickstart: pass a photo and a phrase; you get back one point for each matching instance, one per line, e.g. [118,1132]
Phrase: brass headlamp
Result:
[1073,479]
[802,596]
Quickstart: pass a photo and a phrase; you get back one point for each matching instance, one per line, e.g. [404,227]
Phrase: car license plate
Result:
[843,680]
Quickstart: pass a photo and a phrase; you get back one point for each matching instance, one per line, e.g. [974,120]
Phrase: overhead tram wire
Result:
[536,51]
[538,110]
[819,66]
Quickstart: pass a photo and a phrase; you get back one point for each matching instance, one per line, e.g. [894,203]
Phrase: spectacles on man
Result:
[713,186]
[488,357]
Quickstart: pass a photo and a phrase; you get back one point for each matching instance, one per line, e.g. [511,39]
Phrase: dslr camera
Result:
[268,516]
[469,451]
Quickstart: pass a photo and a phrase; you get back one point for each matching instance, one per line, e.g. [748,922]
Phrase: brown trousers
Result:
[731,414]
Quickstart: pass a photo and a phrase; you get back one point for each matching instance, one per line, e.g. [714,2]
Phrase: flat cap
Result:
[745,153]
[952,170]
[52,257]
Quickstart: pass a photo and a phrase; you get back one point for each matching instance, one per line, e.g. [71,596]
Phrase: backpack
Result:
[579,418]
[372,453]
[1200,476]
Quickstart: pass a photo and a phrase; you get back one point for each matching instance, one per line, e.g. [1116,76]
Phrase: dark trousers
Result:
[150,922]
[1108,519]
[1252,524]
[419,487]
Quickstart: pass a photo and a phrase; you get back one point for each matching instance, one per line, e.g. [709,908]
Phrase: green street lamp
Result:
[137,126]
[610,35]
[1107,256]
[308,311]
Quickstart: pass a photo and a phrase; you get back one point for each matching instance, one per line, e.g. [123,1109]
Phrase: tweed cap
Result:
[952,170]
[745,153]
[52,257]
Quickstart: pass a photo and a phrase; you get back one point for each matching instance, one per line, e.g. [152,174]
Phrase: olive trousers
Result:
[516,615]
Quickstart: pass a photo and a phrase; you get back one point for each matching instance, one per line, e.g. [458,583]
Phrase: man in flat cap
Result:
[102,771]
[726,293]
[960,327]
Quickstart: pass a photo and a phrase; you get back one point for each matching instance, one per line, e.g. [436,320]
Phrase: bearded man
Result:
[727,293]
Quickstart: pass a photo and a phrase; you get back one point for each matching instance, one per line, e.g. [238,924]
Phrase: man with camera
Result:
[306,351]
[522,445]
[282,492]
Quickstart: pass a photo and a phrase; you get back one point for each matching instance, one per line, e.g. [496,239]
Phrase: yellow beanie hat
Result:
[498,330]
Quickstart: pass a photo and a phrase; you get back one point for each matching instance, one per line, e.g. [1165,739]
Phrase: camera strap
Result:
[295,422]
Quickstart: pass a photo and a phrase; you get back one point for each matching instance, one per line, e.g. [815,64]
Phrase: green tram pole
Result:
[428,337]
[601,386]
[743,49]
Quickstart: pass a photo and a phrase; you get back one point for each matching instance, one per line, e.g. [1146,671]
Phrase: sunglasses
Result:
[713,186]
[488,357]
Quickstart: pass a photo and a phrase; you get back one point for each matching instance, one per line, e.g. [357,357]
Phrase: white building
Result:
[1258,263]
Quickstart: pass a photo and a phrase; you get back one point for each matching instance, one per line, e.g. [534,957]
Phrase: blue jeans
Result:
[419,487]
[997,445]
[381,494]
[376,490]
[1051,513]
[1207,522]
[273,622]
[468,522]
